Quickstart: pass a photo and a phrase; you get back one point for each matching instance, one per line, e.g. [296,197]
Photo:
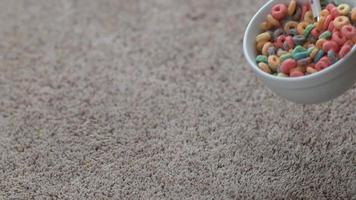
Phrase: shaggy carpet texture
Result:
[153,99]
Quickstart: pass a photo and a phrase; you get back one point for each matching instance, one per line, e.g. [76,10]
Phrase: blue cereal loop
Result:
[332,56]
[292,32]
[298,49]
[318,56]
[299,39]
[300,55]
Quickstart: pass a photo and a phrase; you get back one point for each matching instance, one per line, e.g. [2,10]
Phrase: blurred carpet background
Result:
[152,99]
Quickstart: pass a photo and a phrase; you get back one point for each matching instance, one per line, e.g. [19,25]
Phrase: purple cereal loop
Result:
[304,62]
[271,51]
[277,33]
[292,32]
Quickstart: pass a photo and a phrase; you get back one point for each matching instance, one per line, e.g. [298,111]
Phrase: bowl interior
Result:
[250,52]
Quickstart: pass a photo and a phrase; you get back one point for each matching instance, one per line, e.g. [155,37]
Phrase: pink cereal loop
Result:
[330,45]
[348,31]
[279,11]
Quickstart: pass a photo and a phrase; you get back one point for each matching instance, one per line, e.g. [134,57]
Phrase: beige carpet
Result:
[152,99]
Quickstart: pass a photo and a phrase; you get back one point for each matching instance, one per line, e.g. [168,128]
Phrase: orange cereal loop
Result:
[306,45]
[266,26]
[265,48]
[290,25]
[353,15]
[299,68]
[292,7]
[301,27]
[274,62]
[320,24]
[272,20]
[324,13]
[259,46]
[319,43]
[308,17]
[341,21]
[303,69]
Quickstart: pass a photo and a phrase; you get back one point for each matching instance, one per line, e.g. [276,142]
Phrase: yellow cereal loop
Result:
[280,74]
[311,70]
[274,62]
[319,43]
[301,27]
[341,21]
[292,7]
[281,52]
[264,67]
[264,26]
[272,20]
[259,45]
[265,48]
[290,25]
[344,9]
[324,13]
[308,17]
[263,37]
[314,52]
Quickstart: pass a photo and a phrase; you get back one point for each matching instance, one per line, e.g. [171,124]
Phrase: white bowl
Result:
[315,88]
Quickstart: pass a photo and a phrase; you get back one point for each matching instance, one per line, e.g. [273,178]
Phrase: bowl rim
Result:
[285,79]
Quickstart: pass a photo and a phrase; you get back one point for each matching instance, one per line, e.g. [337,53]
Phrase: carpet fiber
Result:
[153,99]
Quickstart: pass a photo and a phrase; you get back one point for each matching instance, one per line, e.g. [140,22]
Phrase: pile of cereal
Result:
[293,44]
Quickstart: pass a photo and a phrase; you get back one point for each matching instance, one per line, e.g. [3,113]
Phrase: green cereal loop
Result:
[325,35]
[318,56]
[262,58]
[337,2]
[300,55]
[308,29]
[298,49]
[285,56]
[310,50]
[332,56]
